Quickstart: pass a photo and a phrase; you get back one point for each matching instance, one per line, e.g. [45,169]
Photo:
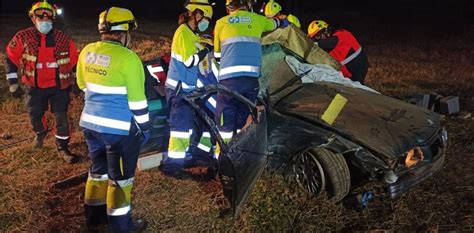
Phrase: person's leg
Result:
[249,89]
[180,123]
[95,208]
[122,156]
[37,104]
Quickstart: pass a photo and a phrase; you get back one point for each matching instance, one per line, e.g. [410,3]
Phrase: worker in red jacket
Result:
[343,47]
[45,60]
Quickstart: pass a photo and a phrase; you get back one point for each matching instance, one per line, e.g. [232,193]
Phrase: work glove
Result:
[209,47]
[146,135]
[16,91]
[284,23]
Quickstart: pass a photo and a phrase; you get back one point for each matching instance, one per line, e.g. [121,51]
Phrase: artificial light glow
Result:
[59,11]
[414,156]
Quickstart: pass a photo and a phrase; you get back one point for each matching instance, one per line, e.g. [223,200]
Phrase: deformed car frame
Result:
[369,136]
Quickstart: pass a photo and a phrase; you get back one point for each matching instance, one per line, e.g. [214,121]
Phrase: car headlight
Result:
[413,157]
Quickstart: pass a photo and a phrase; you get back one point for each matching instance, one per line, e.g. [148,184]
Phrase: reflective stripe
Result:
[119,211]
[226,135]
[142,119]
[52,65]
[98,177]
[124,183]
[12,76]
[29,57]
[351,57]
[174,83]
[111,123]
[235,69]
[137,105]
[199,83]
[192,60]
[61,137]
[177,134]
[95,202]
[29,73]
[215,70]
[212,101]
[217,55]
[236,39]
[206,134]
[39,65]
[63,61]
[238,130]
[64,76]
[203,147]
[84,89]
[105,89]
[176,56]
[176,154]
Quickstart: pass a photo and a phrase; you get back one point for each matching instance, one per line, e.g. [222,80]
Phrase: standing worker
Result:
[343,47]
[114,117]
[237,41]
[273,9]
[182,77]
[45,59]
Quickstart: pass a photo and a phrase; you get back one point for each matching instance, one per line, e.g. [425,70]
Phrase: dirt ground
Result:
[398,68]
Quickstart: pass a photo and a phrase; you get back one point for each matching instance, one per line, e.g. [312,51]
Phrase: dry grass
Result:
[400,69]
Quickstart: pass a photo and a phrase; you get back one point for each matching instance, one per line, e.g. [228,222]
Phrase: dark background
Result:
[434,16]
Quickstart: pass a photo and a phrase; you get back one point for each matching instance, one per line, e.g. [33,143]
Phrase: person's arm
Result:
[12,61]
[135,83]
[79,75]
[328,44]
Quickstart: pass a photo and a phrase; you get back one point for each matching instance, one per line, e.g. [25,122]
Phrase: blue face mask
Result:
[44,27]
[203,24]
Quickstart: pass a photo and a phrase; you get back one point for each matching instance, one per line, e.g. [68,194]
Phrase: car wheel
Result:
[319,169]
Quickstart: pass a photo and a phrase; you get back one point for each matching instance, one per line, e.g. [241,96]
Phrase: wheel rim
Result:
[309,173]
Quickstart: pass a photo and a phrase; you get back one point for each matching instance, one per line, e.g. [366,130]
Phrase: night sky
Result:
[451,16]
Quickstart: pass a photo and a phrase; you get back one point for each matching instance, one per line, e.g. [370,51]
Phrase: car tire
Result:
[335,176]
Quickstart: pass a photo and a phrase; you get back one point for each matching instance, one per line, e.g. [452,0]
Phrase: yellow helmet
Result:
[117,19]
[315,27]
[272,8]
[294,20]
[42,5]
[203,5]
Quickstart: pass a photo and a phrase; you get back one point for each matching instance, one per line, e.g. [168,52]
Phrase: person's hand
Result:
[146,135]
[15,90]
[209,47]
[284,23]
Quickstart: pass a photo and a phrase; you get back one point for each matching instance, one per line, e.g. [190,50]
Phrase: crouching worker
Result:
[115,120]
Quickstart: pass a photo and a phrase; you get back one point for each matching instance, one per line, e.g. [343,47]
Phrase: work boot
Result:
[39,138]
[175,170]
[138,225]
[68,157]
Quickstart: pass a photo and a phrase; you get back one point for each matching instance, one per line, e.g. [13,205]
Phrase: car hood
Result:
[381,123]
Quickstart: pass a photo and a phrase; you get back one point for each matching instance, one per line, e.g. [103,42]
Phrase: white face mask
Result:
[128,40]
[44,27]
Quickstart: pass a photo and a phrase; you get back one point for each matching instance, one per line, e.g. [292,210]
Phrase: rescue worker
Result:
[45,59]
[274,9]
[237,41]
[182,77]
[342,46]
[114,117]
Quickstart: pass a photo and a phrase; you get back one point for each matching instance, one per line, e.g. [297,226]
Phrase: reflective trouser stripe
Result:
[118,197]
[178,143]
[226,136]
[205,142]
[96,189]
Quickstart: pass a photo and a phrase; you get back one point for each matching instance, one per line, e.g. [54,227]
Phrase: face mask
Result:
[44,27]
[128,40]
[203,24]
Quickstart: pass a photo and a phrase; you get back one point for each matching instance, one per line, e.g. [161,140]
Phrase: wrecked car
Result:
[324,131]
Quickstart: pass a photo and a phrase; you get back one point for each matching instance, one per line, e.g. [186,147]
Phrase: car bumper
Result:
[413,177]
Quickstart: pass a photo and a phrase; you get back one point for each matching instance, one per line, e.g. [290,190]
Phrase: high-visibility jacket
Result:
[42,61]
[343,47]
[237,42]
[114,81]
[184,59]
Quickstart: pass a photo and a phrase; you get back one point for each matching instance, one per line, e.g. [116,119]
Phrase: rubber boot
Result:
[138,225]
[39,138]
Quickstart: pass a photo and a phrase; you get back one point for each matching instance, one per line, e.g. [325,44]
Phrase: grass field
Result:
[398,68]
